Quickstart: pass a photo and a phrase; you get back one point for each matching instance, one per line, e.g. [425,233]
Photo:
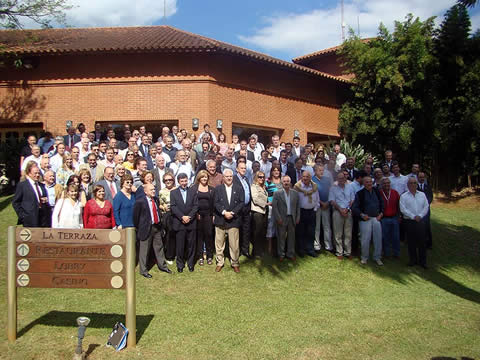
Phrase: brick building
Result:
[160,75]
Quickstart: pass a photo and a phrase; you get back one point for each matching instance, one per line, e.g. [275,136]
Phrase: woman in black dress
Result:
[205,218]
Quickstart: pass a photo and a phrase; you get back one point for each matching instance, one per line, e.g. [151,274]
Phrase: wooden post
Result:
[130,310]
[11,287]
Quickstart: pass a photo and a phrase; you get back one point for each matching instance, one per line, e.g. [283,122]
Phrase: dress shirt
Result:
[185,168]
[297,150]
[229,165]
[56,162]
[324,184]
[287,200]
[341,159]
[31,158]
[246,187]
[413,205]
[304,201]
[342,196]
[356,186]
[267,167]
[276,152]
[149,201]
[257,152]
[228,189]
[399,183]
[183,191]
[283,166]
[51,194]
[107,163]
[32,183]
[166,157]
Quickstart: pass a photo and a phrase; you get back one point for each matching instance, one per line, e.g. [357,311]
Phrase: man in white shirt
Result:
[398,181]
[229,162]
[254,149]
[265,165]
[109,158]
[276,146]
[340,158]
[56,161]
[414,207]
[160,151]
[182,166]
[34,157]
[297,150]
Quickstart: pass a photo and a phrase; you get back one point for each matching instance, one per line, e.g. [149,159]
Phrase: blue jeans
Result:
[391,236]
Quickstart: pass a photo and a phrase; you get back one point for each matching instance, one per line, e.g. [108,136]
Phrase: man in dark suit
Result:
[427,189]
[71,138]
[144,147]
[295,173]
[31,200]
[228,204]
[241,182]
[352,172]
[146,218]
[286,166]
[111,186]
[184,208]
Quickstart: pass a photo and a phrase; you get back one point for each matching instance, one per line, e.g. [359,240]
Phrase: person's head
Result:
[350,163]
[288,148]
[61,149]
[243,144]
[92,160]
[276,141]
[421,177]
[296,141]
[102,146]
[36,150]
[141,164]
[71,130]
[136,134]
[336,148]
[109,173]
[252,142]
[319,160]
[147,177]
[72,191]
[91,136]
[73,179]
[395,168]
[175,129]
[187,144]
[130,156]
[67,161]
[112,142]
[206,137]
[109,154]
[181,156]
[283,156]
[369,161]
[120,170]
[179,138]
[360,176]
[306,177]
[182,180]
[149,190]
[152,151]
[331,163]
[81,128]
[131,142]
[222,138]
[386,169]
[205,146]
[118,159]
[142,130]
[286,182]
[126,182]
[218,158]
[255,167]
[341,179]
[160,161]
[165,130]
[368,183]
[264,155]
[229,155]
[45,163]
[127,134]
[85,176]
[168,141]
[228,177]
[145,140]
[168,180]
[32,170]
[184,133]
[75,152]
[259,178]
[298,163]
[377,174]
[49,177]
[415,168]
[412,184]
[98,192]
[202,177]
[388,155]
[368,169]
[235,138]
[192,137]
[211,166]
[319,170]
[94,148]
[206,128]
[275,172]
[241,168]
[386,183]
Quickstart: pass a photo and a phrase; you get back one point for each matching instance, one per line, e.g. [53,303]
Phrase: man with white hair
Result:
[159,170]
[56,161]
[182,166]
[36,156]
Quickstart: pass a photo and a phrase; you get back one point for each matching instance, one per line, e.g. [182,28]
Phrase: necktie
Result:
[112,189]
[299,175]
[71,141]
[38,193]
[154,210]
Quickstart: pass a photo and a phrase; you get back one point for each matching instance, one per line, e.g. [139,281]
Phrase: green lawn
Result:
[315,309]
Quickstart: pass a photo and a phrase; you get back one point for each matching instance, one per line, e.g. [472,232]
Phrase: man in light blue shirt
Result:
[324,184]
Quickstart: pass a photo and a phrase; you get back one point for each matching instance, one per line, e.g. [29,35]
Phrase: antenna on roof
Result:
[343,24]
[165,11]
[358,25]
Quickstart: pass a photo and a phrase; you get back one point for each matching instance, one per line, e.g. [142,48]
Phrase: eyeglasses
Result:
[168,180]
[261,177]
[130,154]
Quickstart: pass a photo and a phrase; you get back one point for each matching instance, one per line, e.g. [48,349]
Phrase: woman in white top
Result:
[67,213]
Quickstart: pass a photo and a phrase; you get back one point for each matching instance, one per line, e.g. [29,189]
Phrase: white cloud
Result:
[299,34]
[118,12]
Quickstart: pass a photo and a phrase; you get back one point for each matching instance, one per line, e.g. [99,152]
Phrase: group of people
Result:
[198,200]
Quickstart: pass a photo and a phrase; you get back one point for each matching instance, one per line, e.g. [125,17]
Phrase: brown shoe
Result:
[340,257]
[281,259]
[293,258]
[236,269]
[350,257]
[218,268]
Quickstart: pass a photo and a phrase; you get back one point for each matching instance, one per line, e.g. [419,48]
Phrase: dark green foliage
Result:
[42,12]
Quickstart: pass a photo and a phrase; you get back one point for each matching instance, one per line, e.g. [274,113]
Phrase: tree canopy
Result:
[42,12]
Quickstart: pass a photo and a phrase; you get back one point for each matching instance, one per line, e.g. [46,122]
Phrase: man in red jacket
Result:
[391,219]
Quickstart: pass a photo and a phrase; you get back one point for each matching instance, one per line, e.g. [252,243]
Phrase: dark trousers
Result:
[415,233]
[170,249]
[306,232]
[259,226]
[205,236]
[153,241]
[355,233]
[428,229]
[245,230]
[185,243]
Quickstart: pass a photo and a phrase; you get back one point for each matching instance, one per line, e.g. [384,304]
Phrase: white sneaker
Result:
[363,262]
[379,262]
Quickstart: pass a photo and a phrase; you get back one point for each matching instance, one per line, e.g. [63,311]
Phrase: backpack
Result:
[118,337]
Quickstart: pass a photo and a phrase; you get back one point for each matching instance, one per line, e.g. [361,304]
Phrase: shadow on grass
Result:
[97,321]
[453,247]
[5,202]
[450,358]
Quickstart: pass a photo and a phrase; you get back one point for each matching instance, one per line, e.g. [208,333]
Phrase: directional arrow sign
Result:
[23,265]
[25,235]
[23,280]
[23,249]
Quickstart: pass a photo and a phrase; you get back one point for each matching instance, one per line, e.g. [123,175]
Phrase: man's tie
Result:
[38,193]
[299,175]
[71,141]
[154,210]
[112,189]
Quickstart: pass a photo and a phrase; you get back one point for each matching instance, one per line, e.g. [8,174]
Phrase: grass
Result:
[315,309]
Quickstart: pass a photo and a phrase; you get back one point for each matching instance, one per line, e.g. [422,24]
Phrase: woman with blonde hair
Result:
[259,210]
[130,156]
[66,170]
[204,217]
[164,205]
[86,186]
[67,213]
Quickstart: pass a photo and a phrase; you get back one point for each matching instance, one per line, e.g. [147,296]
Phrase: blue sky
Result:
[280,28]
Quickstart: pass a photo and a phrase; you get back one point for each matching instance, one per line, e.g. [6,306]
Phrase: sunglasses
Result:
[168,180]
[130,154]
[128,182]
[261,177]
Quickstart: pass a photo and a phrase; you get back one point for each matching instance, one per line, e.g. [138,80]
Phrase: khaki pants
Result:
[342,231]
[233,243]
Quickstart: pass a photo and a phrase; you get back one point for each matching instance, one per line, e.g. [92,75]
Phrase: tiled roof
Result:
[301,59]
[128,39]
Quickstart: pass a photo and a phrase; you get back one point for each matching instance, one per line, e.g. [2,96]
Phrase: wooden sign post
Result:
[68,258]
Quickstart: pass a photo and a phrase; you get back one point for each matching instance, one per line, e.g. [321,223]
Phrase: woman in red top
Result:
[98,212]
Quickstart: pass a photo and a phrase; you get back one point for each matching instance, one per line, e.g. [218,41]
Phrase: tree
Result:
[42,12]
[468,3]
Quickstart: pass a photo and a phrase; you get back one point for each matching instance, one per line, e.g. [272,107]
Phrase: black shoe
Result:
[411,263]
[190,269]
[301,255]
[147,275]
[424,266]
[167,270]
[247,255]
[314,254]
[179,270]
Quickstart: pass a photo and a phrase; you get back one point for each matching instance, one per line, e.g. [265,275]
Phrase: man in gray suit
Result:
[111,186]
[286,214]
